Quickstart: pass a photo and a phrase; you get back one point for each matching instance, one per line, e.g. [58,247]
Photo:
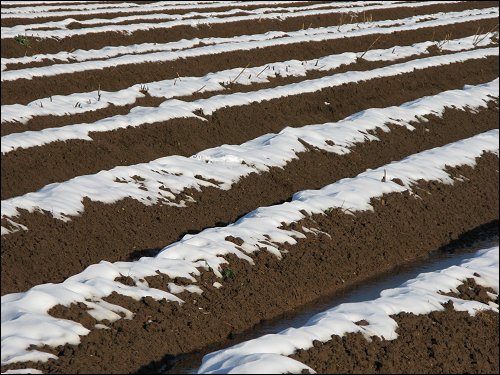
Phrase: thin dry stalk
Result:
[201,88]
[238,76]
[371,45]
[476,35]
[485,35]
[262,71]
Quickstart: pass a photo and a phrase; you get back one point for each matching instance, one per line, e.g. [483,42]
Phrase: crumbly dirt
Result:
[129,229]
[26,170]
[23,91]
[10,48]
[52,121]
[360,246]
[442,342]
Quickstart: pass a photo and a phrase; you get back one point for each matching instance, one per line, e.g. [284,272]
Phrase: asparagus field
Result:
[176,172]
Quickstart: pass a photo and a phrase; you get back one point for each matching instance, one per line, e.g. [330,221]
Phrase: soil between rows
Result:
[62,2]
[10,22]
[129,229]
[43,122]
[10,48]
[448,342]
[360,246]
[23,91]
[26,170]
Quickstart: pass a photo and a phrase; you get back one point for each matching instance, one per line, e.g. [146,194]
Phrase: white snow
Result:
[422,295]
[165,16]
[174,108]
[10,32]
[60,105]
[166,52]
[24,318]
[226,164]
[122,7]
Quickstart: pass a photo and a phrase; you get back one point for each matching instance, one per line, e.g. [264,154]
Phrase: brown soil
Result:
[9,22]
[446,342]
[23,91]
[427,344]
[7,6]
[61,161]
[43,122]
[128,229]
[10,48]
[470,291]
[360,246]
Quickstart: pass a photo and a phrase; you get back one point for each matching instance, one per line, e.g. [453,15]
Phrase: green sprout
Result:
[227,273]
[22,40]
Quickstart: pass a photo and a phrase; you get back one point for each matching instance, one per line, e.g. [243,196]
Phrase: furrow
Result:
[156,15]
[198,61]
[203,28]
[8,32]
[273,237]
[138,204]
[294,105]
[108,52]
[333,332]
[58,110]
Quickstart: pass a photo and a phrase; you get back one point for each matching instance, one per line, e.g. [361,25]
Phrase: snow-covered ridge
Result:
[171,109]
[64,33]
[24,318]
[422,295]
[228,163]
[113,51]
[60,105]
[71,10]
[165,16]
[187,48]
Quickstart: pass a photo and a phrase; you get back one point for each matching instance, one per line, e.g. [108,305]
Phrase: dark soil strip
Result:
[7,6]
[443,342]
[470,291]
[128,229]
[10,22]
[26,170]
[400,229]
[43,122]
[10,48]
[23,91]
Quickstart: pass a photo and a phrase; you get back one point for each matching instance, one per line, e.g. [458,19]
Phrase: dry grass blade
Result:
[485,35]
[371,45]
[238,76]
